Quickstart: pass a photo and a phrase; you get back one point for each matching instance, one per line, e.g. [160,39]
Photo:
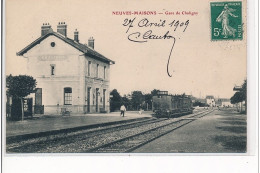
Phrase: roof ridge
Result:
[81,47]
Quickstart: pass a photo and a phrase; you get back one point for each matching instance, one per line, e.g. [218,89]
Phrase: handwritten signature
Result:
[148,35]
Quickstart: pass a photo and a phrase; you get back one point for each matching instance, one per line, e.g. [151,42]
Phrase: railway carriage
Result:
[171,106]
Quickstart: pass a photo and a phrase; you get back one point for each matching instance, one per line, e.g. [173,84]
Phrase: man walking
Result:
[122,109]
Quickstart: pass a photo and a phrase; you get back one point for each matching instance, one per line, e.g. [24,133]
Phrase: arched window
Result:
[67,96]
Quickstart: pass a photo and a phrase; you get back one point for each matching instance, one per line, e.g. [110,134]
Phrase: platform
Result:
[57,122]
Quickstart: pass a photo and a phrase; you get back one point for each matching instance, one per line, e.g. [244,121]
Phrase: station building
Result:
[70,75]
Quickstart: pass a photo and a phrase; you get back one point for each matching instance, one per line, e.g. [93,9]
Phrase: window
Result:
[52,44]
[89,64]
[105,72]
[52,69]
[97,70]
[67,96]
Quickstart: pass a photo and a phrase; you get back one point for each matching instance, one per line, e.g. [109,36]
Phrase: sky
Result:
[198,65]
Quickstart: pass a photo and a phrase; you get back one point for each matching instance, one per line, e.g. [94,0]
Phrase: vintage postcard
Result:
[136,77]
[92,77]
[122,80]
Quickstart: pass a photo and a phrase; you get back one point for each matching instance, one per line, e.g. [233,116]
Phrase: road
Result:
[221,131]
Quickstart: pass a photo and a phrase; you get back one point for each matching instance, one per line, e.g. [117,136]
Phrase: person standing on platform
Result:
[122,109]
[140,110]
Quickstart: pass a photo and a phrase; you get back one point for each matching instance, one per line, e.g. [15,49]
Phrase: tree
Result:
[148,100]
[154,92]
[236,98]
[137,99]
[19,87]
[244,94]
[115,101]
[240,96]
[126,101]
[244,90]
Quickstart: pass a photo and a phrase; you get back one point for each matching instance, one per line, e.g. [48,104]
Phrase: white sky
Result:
[201,67]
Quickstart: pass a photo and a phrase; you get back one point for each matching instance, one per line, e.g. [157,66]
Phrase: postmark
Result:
[226,20]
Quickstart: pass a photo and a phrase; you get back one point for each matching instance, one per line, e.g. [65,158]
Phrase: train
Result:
[171,106]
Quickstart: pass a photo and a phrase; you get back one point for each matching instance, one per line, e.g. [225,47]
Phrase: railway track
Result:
[130,143]
[31,144]
[123,137]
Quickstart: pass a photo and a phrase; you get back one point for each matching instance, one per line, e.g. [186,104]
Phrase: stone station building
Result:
[70,76]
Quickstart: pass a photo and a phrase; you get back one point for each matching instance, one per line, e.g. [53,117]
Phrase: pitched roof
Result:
[81,47]
[209,97]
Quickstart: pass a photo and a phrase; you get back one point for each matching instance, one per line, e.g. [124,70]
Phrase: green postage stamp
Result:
[226,20]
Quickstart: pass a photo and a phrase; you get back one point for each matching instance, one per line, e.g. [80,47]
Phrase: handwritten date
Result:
[162,23]
[149,35]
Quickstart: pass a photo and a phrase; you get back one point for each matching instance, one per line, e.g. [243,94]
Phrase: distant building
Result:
[210,100]
[218,102]
[224,102]
[70,75]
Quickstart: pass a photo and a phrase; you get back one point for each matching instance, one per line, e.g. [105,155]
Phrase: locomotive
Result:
[171,106]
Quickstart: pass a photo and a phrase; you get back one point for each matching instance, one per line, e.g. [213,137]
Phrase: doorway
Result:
[104,99]
[97,93]
[88,100]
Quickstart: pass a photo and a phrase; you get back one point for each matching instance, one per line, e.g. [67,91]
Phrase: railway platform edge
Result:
[53,125]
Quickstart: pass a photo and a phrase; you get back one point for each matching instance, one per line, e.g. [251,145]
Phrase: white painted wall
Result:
[64,56]
[71,68]
[93,69]
[211,102]
[226,103]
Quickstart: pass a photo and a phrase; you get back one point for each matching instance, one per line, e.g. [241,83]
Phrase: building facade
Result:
[70,76]
[210,100]
[224,102]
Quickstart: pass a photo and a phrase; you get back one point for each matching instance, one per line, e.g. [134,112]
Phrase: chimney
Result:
[76,35]
[62,28]
[46,28]
[91,42]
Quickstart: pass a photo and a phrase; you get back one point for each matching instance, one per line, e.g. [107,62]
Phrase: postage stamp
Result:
[226,20]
